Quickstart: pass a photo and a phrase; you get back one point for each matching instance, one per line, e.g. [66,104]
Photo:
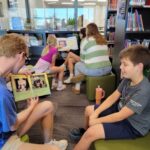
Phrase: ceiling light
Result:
[67,3]
[89,3]
[79,0]
[51,0]
[102,0]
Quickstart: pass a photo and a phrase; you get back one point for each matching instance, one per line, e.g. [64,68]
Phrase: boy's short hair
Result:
[51,40]
[137,54]
[12,44]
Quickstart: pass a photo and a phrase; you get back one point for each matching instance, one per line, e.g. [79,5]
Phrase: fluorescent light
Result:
[101,0]
[51,0]
[79,0]
[89,3]
[67,3]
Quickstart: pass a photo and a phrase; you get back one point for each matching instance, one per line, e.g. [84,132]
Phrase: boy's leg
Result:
[88,111]
[29,146]
[44,112]
[93,133]
[14,143]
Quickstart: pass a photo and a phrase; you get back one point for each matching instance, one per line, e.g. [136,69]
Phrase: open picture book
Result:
[65,44]
[27,86]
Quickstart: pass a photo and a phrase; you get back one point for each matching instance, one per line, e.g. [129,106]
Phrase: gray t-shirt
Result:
[137,98]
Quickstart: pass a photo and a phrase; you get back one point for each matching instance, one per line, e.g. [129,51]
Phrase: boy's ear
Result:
[141,66]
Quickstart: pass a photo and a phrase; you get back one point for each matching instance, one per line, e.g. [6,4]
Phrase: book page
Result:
[65,44]
[27,86]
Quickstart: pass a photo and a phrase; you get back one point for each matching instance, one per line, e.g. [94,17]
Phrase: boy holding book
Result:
[13,52]
[126,113]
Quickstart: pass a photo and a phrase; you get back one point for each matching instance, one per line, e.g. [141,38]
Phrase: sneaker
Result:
[76,134]
[54,86]
[67,81]
[60,88]
[75,91]
[62,144]
[78,78]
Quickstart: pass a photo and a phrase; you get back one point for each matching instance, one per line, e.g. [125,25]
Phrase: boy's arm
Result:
[124,113]
[23,115]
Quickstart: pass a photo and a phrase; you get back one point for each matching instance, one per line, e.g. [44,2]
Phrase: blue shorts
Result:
[118,130]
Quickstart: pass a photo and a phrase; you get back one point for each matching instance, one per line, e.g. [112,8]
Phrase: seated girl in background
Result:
[47,63]
[94,59]
[73,58]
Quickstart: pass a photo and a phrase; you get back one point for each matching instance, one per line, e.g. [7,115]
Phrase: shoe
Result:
[75,91]
[76,134]
[62,144]
[54,86]
[60,88]
[78,78]
[67,81]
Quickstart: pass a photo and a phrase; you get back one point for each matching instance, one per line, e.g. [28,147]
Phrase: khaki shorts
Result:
[13,143]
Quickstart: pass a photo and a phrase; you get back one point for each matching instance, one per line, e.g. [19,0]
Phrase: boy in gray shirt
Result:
[126,113]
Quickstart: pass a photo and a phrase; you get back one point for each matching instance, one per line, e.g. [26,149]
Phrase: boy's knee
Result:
[88,110]
[49,106]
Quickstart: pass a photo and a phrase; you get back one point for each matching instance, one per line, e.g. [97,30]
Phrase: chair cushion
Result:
[107,82]
[142,143]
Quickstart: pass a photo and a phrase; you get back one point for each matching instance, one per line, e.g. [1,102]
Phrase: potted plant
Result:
[70,23]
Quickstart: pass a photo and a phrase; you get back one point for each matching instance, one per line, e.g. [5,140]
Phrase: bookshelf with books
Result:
[36,40]
[110,24]
[132,26]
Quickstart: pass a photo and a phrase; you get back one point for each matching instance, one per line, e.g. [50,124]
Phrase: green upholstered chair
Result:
[142,143]
[107,82]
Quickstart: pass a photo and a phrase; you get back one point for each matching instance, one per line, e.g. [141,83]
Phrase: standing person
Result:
[47,63]
[73,58]
[94,59]
[14,51]
[126,113]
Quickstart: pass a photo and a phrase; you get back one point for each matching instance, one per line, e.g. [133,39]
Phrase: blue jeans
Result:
[80,68]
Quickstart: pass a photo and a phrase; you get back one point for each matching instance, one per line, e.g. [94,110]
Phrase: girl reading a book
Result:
[73,58]
[47,63]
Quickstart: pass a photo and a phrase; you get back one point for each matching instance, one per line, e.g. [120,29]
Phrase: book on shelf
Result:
[134,22]
[137,2]
[65,44]
[147,2]
[27,86]
[16,23]
[112,4]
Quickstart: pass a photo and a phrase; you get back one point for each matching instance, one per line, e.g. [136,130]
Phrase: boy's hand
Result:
[25,72]
[94,115]
[93,122]
[32,102]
